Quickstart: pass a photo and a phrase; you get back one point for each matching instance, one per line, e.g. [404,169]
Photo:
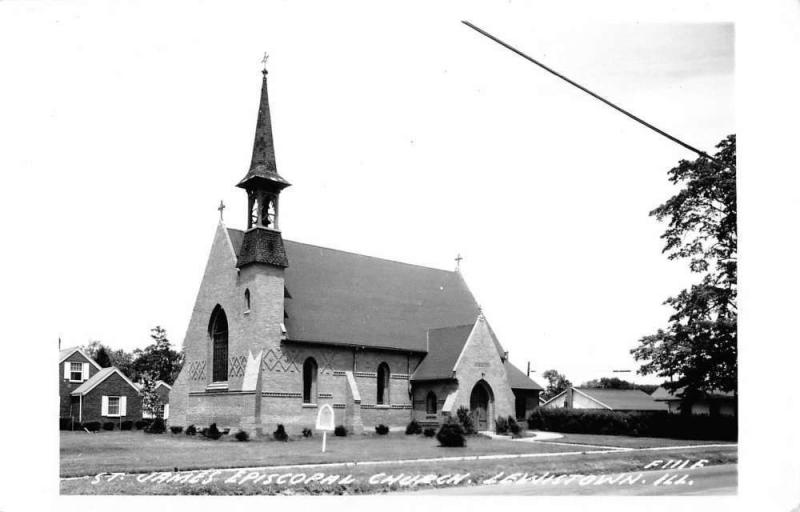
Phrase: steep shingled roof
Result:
[444,347]
[446,344]
[518,380]
[345,298]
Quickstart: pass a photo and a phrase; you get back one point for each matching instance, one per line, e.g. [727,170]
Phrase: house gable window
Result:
[383,384]
[76,372]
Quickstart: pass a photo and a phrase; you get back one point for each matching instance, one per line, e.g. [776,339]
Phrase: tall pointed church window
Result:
[218,331]
[383,384]
[310,381]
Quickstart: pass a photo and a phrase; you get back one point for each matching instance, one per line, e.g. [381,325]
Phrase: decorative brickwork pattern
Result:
[280,360]
[236,366]
[325,395]
[197,370]
[278,394]
[399,376]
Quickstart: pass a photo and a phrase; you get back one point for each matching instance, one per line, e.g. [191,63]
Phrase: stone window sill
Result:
[217,386]
[309,406]
[383,406]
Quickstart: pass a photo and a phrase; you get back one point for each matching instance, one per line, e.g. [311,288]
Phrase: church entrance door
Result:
[480,404]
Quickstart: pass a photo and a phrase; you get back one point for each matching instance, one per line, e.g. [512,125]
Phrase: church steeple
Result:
[262,242]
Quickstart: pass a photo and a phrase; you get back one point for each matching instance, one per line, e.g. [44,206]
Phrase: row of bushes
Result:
[644,424]
[96,426]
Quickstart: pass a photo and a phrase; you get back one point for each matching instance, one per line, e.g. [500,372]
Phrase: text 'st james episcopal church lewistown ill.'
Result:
[281,327]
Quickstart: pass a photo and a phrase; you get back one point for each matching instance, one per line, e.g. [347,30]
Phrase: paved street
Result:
[709,481]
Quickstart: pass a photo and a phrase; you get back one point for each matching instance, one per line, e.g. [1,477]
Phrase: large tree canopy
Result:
[698,349]
[556,383]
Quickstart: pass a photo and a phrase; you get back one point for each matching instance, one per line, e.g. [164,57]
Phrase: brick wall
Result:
[114,385]
[65,387]
[480,361]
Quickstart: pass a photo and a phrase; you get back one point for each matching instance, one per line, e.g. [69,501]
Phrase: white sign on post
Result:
[325,422]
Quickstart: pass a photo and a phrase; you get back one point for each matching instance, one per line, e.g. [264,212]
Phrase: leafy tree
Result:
[698,350]
[102,358]
[157,359]
[556,383]
[617,383]
[151,402]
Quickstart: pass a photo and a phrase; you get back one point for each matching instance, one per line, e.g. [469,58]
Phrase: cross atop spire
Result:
[262,163]
[264,62]
[458,262]
[221,207]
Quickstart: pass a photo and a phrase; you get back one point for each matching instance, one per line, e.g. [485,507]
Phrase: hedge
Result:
[644,424]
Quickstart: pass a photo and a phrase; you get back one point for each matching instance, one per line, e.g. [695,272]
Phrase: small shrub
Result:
[141,424]
[307,432]
[242,436]
[429,432]
[381,429]
[413,428]
[465,419]
[340,431]
[501,425]
[451,435]
[69,424]
[92,426]
[176,429]
[280,434]
[156,427]
[212,432]
[126,425]
[513,426]
[108,425]
[191,430]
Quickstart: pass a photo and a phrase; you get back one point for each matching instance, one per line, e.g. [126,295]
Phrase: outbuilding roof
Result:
[622,399]
[661,394]
[340,297]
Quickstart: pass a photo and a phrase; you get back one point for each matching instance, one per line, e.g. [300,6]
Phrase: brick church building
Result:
[281,327]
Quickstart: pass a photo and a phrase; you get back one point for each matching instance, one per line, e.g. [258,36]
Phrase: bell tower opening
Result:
[262,241]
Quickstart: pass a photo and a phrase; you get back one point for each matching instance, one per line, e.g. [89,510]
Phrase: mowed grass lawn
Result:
[631,442]
[132,452]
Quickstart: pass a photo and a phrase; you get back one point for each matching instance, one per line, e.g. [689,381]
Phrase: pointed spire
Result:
[263,147]
[262,163]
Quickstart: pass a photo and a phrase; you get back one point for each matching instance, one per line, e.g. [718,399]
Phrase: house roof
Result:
[340,297]
[661,394]
[622,399]
[99,377]
[162,383]
[66,352]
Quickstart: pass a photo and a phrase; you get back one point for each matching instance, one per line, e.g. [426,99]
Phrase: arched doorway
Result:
[481,404]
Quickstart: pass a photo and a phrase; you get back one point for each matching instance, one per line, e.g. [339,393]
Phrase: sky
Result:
[405,134]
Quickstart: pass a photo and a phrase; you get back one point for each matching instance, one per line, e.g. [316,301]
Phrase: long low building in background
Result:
[628,400]
[714,403]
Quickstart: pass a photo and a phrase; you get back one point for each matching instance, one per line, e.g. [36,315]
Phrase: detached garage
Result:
[108,396]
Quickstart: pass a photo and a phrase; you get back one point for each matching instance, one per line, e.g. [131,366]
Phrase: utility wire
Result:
[584,89]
